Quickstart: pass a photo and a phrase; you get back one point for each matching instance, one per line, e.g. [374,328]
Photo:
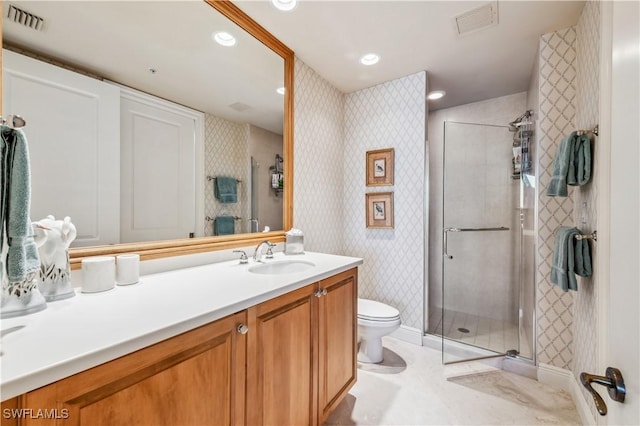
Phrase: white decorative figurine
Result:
[53,238]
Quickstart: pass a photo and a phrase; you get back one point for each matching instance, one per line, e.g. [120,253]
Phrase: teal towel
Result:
[570,257]
[226,189]
[579,171]
[22,256]
[224,225]
[582,255]
[571,164]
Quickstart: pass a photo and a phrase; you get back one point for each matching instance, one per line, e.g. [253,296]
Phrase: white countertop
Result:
[87,330]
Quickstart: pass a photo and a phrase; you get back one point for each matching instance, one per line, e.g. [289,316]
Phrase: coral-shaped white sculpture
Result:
[53,238]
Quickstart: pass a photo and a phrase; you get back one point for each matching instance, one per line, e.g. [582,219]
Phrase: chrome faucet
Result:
[257,255]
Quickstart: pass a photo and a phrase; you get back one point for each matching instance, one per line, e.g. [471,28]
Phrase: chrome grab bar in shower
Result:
[447,230]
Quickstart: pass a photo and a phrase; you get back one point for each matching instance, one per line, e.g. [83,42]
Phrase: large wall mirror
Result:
[151,135]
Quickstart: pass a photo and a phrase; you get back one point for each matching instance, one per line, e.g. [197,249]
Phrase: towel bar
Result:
[13,121]
[592,236]
[210,219]
[594,131]
[210,178]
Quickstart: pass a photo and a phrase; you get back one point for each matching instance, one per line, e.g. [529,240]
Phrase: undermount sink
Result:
[280,267]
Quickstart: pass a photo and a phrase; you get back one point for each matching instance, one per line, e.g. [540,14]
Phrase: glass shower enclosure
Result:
[483,303]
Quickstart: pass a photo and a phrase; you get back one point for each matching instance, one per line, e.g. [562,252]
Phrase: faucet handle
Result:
[243,257]
[269,254]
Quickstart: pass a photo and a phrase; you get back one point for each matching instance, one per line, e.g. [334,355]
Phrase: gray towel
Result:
[226,189]
[224,225]
[570,257]
[571,164]
[22,257]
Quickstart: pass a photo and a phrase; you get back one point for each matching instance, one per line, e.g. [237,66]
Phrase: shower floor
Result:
[495,335]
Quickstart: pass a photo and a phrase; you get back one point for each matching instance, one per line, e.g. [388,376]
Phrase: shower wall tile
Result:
[557,100]
[226,153]
[389,115]
[586,197]
[318,159]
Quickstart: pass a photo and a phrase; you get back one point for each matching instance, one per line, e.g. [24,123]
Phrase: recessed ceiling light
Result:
[285,5]
[224,38]
[436,94]
[369,59]
[280,90]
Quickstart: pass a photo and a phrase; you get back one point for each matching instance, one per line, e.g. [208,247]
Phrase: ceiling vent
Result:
[25,18]
[477,19]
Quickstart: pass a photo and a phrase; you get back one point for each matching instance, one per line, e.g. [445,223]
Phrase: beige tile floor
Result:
[412,387]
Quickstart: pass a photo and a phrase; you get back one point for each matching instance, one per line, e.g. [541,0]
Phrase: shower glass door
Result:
[479,315]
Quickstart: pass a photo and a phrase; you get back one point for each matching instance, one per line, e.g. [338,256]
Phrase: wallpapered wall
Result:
[568,100]
[226,153]
[586,197]
[333,131]
[389,115]
[318,158]
[557,96]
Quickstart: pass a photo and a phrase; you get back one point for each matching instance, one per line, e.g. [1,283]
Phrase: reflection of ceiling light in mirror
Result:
[285,5]
[280,90]
[224,38]
[369,59]
[436,94]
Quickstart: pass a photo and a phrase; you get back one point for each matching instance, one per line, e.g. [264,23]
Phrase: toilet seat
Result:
[372,311]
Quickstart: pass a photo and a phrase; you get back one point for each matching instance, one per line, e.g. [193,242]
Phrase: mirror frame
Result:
[170,248]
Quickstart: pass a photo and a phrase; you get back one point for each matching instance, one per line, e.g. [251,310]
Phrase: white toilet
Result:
[375,320]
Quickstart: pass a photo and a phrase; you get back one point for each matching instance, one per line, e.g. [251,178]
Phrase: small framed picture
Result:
[380,167]
[379,207]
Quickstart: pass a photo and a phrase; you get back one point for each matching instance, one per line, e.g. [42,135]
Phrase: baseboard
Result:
[564,379]
[557,377]
[582,405]
[408,334]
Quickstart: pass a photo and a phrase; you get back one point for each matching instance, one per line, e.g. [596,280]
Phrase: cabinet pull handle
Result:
[324,292]
[317,293]
[242,329]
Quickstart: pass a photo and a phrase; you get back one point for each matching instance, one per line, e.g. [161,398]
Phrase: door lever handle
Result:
[612,380]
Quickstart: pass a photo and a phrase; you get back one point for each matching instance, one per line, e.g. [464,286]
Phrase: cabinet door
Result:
[281,384]
[337,339]
[196,378]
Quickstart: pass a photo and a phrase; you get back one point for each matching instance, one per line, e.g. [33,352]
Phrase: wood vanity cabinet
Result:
[301,353]
[337,343]
[292,366]
[195,378]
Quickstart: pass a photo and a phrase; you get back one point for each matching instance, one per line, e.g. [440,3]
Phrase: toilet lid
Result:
[376,311]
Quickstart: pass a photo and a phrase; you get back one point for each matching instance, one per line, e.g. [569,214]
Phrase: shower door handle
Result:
[444,241]
[447,230]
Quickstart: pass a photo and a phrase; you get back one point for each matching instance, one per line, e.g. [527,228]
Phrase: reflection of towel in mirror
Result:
[224,225]
[226,189]
[22,256]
